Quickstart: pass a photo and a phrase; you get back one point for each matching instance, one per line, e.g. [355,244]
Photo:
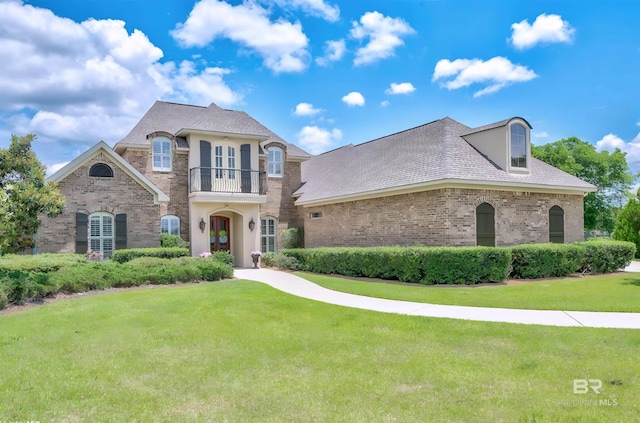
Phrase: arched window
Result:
[101,233]
[518,146]
[161,153]
[170,225]
[268,229]
[276,158]
[101,170]
[485,225]
[556,224]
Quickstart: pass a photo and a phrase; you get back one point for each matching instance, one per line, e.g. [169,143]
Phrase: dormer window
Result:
[162,154]
[518,146]
[275,161]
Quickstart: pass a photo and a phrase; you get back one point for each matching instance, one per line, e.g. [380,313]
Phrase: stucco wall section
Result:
[441,217]
[175,183]
[85,194]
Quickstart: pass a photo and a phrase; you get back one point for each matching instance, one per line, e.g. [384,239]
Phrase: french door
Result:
[219,233]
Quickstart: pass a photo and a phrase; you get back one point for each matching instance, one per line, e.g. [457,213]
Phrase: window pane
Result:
[107,226]
[518,146]
[157,147]
[164,225]
[95,226]
[95,245]
[107,245]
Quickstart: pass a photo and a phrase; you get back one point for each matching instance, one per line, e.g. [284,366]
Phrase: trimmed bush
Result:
[603,256]
[292,238]
[223,257]
[21,287]
[210,270]
[546,260]
[268,259]
[428,265]
[170,241]
[123,256]
[40,263]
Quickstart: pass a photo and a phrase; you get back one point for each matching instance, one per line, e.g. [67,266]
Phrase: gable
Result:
[106,154]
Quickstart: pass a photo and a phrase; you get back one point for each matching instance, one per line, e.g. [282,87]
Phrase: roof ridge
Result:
[405,130]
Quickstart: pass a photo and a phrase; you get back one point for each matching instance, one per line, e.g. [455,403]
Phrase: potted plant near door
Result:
[222,237]
[255,255]
[212,236]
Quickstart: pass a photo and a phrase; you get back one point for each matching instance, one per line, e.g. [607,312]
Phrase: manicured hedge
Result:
[36,280]
[428,265]
[38,263]
[123,256]
[546,260]
[605,256]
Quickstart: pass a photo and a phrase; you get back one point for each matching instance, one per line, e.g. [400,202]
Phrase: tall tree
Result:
[607,171]
[24,195]
[628,224]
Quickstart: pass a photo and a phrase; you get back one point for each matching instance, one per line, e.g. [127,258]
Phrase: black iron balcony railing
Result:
[205,179]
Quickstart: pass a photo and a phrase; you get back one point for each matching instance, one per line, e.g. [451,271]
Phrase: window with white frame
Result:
[170,225]
[268,228]
[161,154]
[231,159]
[276,157]
[218,161]
[101,231]
[518,146]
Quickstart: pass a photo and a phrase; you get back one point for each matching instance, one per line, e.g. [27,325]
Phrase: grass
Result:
[617,292]
[241,351]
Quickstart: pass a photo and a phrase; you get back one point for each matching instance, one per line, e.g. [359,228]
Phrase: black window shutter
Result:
[121,231]
[82,234]
[245,166]
[205,166]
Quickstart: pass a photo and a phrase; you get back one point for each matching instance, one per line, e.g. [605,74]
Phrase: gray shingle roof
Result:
[172,117]
[427,153]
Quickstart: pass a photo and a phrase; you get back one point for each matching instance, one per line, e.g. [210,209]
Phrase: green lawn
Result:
[617,292]
[240,351]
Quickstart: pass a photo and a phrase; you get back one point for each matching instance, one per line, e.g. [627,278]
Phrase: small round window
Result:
[101,170]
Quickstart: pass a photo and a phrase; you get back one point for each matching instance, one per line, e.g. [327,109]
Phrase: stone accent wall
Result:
[175,183]
[85,194]
[279,203]
[441,217]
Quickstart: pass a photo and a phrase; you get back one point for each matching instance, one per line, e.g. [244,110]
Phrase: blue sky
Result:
[320,73]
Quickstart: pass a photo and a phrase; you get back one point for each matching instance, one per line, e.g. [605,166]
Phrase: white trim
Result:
[170,218]
[450,183]
[158,195]
[276,148]
[190,131]
[162,140]
[527,147]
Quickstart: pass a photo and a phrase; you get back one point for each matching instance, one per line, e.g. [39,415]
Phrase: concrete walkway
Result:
[295,285]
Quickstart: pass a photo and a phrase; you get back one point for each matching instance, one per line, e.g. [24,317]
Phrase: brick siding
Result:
[85,194]
[441,217]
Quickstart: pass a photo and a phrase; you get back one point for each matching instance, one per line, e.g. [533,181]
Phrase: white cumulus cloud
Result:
[610,142]
[306,109]
[317,140]
[384,34]
[354,98]
[400,88]
[281,44]
[333,51]
[319,8]
[74,83]
[545,29]
[497,73]
[53,168]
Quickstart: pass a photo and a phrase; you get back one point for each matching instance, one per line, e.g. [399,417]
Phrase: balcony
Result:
[227,181]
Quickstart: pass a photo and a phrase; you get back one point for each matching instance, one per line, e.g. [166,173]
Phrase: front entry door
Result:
[220,235]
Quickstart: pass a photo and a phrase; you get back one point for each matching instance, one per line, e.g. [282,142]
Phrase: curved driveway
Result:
[300,287]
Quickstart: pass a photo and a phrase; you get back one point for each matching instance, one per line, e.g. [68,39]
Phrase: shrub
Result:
[21,287]
[223,257]
[269,259]
[292,237]
[40,263]
[546,260]
[84,277]
[448,265]
[607,256]
[286,262]
[160,271]
[123,256]
[211,270]
[627,227]
[170,241]
[4,298]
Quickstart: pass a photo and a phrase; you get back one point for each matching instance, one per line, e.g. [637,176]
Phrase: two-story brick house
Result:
[223,181]
[216,177]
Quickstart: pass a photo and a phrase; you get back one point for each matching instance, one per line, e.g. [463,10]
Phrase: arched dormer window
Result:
[276,159]
[518,139]
[161,147]
[101,170]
